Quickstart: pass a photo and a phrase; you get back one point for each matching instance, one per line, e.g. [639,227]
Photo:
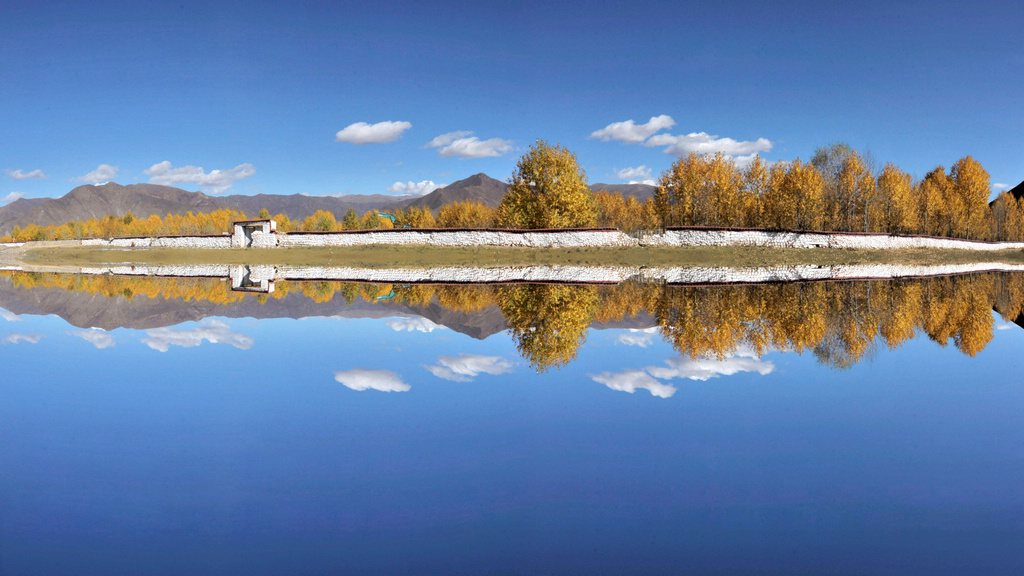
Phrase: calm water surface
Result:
[149,426]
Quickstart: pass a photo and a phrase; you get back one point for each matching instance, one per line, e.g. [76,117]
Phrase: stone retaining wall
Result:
[560,239]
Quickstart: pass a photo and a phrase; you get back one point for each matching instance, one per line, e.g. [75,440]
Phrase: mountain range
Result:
[143,200]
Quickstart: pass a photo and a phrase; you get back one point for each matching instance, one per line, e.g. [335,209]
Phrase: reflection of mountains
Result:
[86,310]
[841,323]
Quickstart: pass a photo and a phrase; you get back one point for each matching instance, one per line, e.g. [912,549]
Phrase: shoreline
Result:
[260,278]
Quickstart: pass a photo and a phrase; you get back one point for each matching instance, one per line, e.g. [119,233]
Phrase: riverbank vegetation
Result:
[397,256]
[838,190]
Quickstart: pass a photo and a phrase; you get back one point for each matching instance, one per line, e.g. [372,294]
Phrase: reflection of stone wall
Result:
[558,274]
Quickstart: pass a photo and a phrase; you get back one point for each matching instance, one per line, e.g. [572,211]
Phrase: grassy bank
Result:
[428,257]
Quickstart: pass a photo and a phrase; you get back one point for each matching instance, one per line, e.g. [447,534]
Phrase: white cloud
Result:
[11,198]
[631,132]
[96,337]
[633,380]
[379,133]
[636,337]
[412,325]
[414,188]
[9,316]
[468,366]
[1001,326]
[640,172]
[704,143]
[743,360]
[14,338]
[216,180]
[1000,186]
[361,379]
[102,173]
[216,331]
[21,175]
[705,369]
[465,145]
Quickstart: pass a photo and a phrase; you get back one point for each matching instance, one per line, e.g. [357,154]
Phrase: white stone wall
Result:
[612,238]
[561,239]
[218,242]
[564,239]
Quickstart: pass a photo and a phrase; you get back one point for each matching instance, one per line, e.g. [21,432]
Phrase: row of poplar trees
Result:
[838,190]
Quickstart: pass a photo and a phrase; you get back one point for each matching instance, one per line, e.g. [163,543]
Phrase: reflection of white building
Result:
[259,279]
[254,234]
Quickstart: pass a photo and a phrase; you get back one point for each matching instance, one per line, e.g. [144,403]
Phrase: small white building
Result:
[254,234]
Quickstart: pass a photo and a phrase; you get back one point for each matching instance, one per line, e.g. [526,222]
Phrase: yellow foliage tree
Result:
[548,190]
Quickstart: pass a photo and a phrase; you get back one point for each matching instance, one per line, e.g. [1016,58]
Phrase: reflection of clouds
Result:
[633,380]
[468,366]
[216,331]
[364,379]
[14,338]
[1002,326]
[9,316]
[705,369]
[637,337]
[742,360]
[96,337]
[412,325]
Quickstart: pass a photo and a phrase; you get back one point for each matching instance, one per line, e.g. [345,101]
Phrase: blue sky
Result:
[276,97]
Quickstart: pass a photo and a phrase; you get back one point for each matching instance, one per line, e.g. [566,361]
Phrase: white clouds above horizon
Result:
[19,174]
[464,145]
[215,331]
[95,336]
[9,316]
[15,338]
[379,133]
[11,198]
[217,181]
[637,173]
[414,188]
[1000,186]
[468,366]
[361,379]
[704,143]
[631,132]
[412,325]
[102,173]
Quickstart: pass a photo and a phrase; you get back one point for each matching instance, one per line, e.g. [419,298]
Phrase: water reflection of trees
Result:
[841,323]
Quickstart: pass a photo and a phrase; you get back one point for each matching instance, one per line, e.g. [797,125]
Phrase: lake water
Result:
[158,426]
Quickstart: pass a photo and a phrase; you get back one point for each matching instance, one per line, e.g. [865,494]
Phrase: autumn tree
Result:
[547,190]
[897,197]
[465,214]
[972,188]
[415,217]
[548,322]
[351,220]
[319,221]
[934,196]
